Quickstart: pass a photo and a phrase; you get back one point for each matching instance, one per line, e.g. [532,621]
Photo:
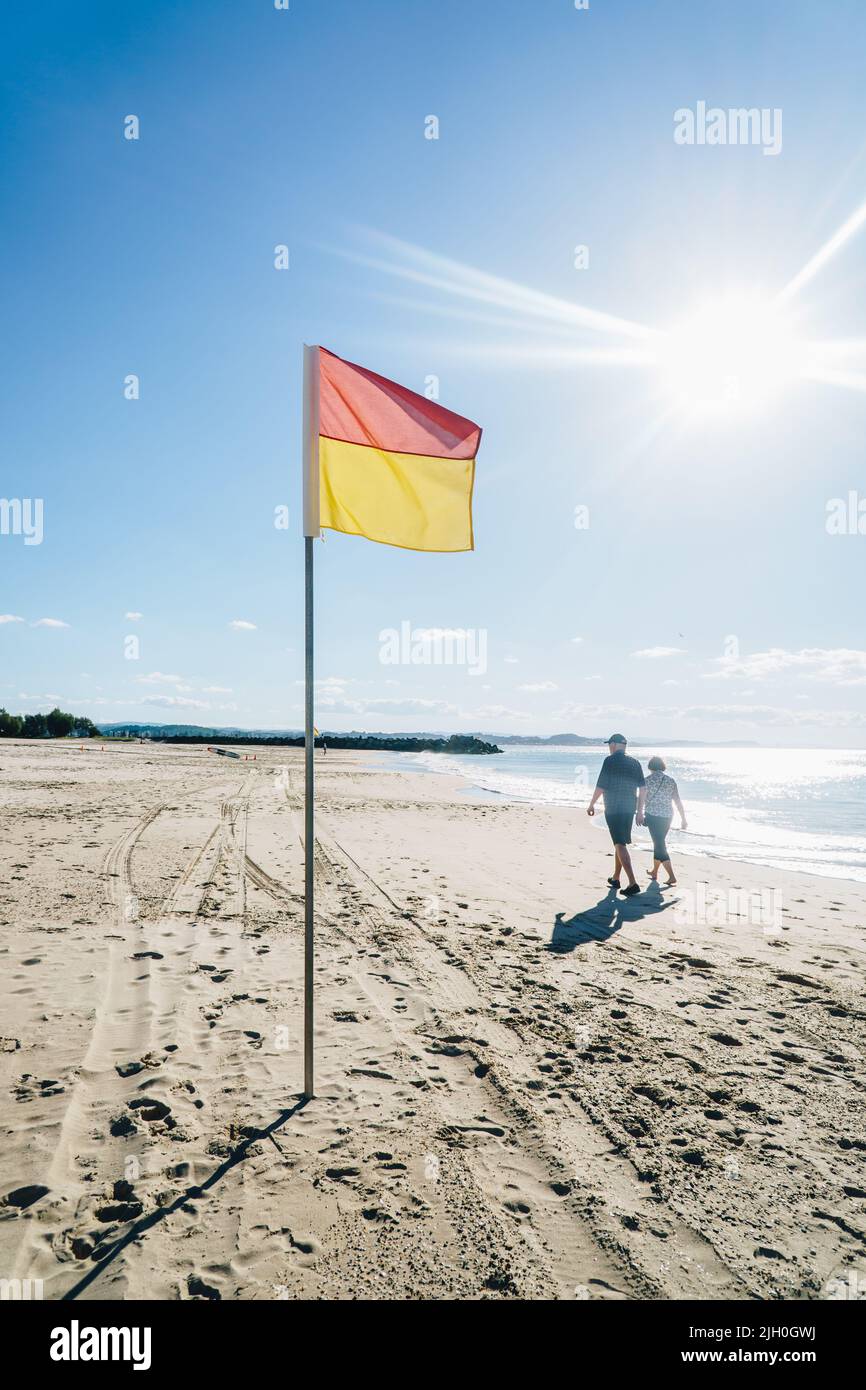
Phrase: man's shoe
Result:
[631,890]
[614,882]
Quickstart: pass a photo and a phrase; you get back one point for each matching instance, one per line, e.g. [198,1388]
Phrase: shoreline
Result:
[640,843]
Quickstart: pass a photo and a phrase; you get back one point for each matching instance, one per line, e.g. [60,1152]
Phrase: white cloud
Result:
[839,665]
[592,714]
[217,689]
[175,702]
[408,706]
[10,618]
[494,712]
[49,622]
[538,687]
[241,625]
[511,661]
[334,685]
[746,715]
[159,678]
[655,653]
[134,617]
[773,714]
[577,639]
[337,703]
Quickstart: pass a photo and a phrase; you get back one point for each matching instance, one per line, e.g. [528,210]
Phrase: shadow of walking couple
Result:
[604,918]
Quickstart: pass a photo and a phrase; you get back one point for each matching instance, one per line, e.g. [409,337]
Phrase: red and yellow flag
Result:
[393,466]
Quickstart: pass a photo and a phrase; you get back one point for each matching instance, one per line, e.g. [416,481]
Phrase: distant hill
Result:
[561,740]
[578,740]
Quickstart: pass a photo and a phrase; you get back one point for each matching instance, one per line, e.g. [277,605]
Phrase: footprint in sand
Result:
[20,1198]
[28,1088]
[123,1126]
[155,1113]
[197,1288]
[377,1214]
[118,1212]
[342,1174]
[149,1060]
[306,1247]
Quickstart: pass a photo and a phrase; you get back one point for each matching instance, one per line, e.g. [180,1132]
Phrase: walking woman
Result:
[662,795]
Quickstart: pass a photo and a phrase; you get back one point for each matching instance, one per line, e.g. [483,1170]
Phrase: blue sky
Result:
[709,599]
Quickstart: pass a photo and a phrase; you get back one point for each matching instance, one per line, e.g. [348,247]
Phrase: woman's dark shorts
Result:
[619,824]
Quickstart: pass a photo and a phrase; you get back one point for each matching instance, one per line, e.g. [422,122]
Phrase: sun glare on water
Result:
[730,356]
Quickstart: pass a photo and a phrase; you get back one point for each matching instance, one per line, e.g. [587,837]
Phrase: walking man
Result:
[620,778]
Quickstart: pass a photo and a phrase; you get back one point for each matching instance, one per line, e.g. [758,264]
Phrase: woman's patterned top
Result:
[660,791]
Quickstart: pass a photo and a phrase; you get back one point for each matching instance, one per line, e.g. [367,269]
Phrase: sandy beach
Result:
[526,1087]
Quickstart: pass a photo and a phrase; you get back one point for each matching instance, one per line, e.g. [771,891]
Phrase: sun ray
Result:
[844,234]
[838,347]
[413,263]
[544,354]
[851,381]
[465,314]
[733,354]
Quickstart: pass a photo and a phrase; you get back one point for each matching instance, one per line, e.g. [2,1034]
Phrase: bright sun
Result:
[732,355]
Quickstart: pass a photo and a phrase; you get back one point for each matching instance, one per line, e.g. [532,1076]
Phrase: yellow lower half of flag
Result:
[398,499]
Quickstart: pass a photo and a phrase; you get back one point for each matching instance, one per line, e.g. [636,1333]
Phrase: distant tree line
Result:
[457,743]
[56,724]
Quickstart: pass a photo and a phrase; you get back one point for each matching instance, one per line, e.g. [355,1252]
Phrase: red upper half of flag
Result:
[361,407]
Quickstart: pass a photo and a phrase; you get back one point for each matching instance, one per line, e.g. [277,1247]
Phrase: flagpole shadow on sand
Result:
[605,918]
[144,1224]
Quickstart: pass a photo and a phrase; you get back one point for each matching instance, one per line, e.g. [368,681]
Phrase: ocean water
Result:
[789,808]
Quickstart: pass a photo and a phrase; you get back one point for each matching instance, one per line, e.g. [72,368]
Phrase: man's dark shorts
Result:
[619,824]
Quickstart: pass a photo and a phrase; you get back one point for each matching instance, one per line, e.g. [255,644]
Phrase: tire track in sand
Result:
[141,990]
[489,1141]
[584,1238]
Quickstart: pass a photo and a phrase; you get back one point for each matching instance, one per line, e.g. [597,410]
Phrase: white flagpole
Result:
[311,531]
